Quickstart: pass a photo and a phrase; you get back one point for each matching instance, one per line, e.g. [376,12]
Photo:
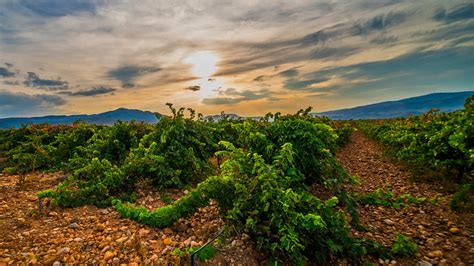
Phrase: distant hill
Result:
[447,102]
[417,105]
[107,118]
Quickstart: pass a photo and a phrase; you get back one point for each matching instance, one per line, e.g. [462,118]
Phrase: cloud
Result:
[33,80]
[193,88]
[128,85]
[11,83]
[296,84]
[333,52]
[90,92]
[448,68]
[220,101]
[239,96]
[55,8]
[292,72]
[380,22]
[384,40]
[461,12]
[122,45]
[128,74]
[289,73]
[260,78]
[6,73]
[16,104]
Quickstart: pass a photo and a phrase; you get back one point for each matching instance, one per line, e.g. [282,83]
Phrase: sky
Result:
[245,57]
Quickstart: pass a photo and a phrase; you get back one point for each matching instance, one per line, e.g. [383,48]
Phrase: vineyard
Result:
[279,183]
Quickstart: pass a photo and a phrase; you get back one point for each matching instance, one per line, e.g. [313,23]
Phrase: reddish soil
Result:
[428,224]
[91,235]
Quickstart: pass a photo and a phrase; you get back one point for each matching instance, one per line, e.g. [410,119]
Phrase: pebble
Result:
[121,240]
[62,251]
[454,230]
[31,198]
[56,263]
[167,241]
[73,225]
[435,254]
[144,232]
[108,255]
[53,214]
[389,222]
[423,263]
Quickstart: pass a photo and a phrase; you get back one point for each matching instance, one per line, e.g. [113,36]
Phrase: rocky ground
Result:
[91,235]
[443,237]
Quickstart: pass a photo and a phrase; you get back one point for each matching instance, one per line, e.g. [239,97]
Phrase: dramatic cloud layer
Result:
[20,104]
[246,57]
[90,92]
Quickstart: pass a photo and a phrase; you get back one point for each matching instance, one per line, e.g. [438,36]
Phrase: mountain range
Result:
[107,118]
[446,102]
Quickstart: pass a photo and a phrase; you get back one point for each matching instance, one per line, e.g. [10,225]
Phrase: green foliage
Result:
[270,201]
[386,198]
[403,246]
[464,198]
[206,253]
[260,181]
[435,140]
[343,131]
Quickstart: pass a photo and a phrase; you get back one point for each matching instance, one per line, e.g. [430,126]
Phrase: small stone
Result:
[423,263]
[31,198]
[105,249]
[73,225]
[186,192]
[435,254]
[108,255]
[167,241]
[143,232]
[100,227]
[389,222]
[53,214]
[62,251]
[78,239]
[393,262]
[57,263]
[454,230]
[121,240]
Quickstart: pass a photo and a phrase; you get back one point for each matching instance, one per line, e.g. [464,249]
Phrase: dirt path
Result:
[429,225]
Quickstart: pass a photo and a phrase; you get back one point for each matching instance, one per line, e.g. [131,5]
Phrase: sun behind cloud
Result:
[203,63]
